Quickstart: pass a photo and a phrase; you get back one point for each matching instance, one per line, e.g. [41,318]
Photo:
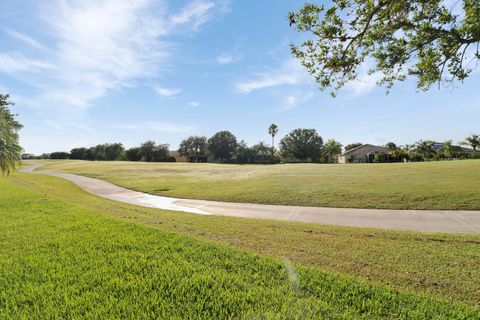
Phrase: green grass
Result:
[444,266]
[433,185]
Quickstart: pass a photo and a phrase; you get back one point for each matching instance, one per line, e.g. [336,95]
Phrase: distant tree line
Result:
[426,150]
[148,151]
[300,145]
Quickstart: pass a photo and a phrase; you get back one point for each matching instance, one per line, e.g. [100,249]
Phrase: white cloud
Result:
[227,58]
[224,58]
[193,104]
[291,100]
[290,73]
[103,46]
[195,14]
[296,99]
[99,47]
[455,7]
[168,92]
[13,63]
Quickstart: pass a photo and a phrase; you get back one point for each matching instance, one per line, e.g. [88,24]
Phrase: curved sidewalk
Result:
[413,220]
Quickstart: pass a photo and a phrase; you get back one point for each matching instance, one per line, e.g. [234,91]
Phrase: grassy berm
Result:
[61,259]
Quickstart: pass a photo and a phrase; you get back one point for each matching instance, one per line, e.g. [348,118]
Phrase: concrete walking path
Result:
[412,220]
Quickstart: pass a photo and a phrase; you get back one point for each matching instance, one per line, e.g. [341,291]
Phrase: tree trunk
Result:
[273,144]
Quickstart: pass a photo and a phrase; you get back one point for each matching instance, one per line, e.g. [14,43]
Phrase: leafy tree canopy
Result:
[222,146]
[353,146]
[114,151]
[391,145]
[245,154]
[78,153]
[431,40]
[302,144]
[149,151]
[193,146]
[59,155]
[261,148]
[133,154]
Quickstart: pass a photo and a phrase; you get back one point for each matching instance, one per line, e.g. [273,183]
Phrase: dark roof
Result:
[439,145]
[467,149]
[366,145]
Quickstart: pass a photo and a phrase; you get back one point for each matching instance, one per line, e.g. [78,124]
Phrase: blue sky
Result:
[89,72]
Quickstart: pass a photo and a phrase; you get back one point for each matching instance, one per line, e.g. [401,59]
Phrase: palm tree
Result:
[10,151]
[408,151]
[447,149]
[398,153]
[472,141]
[424,150]
[332,149]
[273,130]
[10,155]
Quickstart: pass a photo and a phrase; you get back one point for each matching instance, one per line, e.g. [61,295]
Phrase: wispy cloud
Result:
[233,55]
[103,46]
[296,99]
[98,47]
[289,73]
[196,13]
[26,39]
[16,62]
[168,92]
[227,58]
[193,104]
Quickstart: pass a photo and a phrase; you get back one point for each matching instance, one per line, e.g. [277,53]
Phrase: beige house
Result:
[362,154]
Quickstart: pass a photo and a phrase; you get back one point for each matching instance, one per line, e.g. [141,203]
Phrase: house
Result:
[264,156]
[437,146]
[467,150]
[364,154]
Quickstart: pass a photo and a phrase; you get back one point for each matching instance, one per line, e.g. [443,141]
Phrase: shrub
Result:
[59,155]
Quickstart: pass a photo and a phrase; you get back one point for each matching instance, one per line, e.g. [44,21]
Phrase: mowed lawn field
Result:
[67,254]
[433,185]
